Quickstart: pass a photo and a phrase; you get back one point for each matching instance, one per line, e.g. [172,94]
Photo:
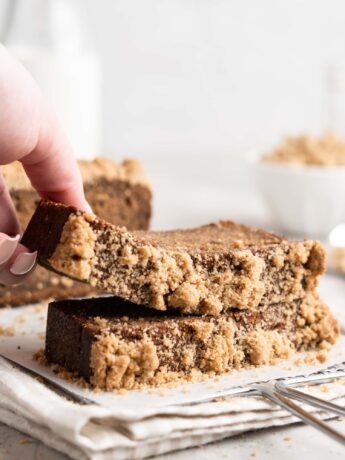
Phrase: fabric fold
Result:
[96,432]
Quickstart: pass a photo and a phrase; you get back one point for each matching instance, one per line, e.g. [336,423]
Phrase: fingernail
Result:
[23,263]
[88,207]
[7,247]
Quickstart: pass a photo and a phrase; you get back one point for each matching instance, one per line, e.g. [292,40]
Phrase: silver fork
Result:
[278,395]
[280,392]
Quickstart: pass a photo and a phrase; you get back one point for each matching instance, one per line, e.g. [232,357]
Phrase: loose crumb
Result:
[312,358]
[70,377]
[7,331]
[122,391]
[162,393]
[324,389]
[185,391]
[327,150]
[21,319]
[40,357]
[322,356]
[39,308]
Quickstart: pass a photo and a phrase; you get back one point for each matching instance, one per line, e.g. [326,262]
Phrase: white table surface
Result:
[194,192]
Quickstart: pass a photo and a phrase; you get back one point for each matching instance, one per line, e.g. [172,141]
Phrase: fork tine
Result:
[309,399]
[286,403]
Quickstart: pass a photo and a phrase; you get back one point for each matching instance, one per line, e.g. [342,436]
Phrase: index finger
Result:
[52,168]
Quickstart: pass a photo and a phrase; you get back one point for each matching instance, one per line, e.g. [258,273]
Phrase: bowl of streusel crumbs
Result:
[302,180]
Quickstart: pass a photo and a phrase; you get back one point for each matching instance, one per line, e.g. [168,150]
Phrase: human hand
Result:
[30,133]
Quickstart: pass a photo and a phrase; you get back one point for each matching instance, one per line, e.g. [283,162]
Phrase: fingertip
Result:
[88,208]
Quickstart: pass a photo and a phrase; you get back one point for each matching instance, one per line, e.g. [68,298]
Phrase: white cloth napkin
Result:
[101,433]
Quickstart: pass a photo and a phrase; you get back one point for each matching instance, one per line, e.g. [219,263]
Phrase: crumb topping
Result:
[327,150]
[130,170]
[117,363]
[75,252]
[194,271]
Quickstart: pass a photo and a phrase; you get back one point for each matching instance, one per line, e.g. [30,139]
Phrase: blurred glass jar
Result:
[334,99]
[47,37]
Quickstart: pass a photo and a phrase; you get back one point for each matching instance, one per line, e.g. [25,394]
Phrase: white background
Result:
[210,77]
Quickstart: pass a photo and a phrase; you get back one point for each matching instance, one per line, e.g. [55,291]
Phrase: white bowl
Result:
[304,200]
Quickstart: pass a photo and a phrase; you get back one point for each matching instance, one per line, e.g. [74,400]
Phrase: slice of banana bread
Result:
[115,344]
[204,270]
[119,193]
